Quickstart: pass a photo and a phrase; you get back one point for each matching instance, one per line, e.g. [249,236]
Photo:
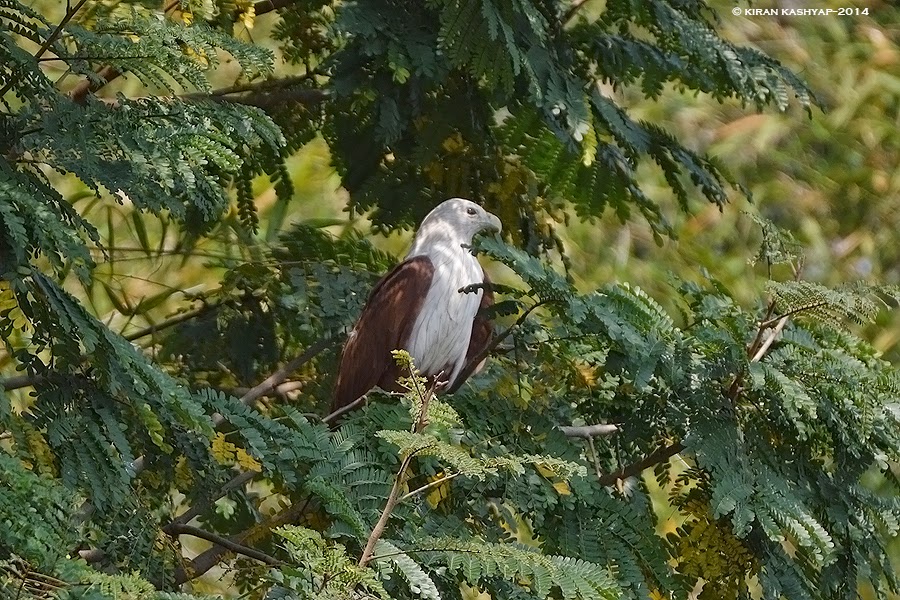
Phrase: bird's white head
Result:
[456,220]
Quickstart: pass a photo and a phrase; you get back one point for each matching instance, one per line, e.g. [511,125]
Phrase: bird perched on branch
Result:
[418,307]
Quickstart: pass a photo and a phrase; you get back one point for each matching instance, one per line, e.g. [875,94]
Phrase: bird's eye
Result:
[471,210]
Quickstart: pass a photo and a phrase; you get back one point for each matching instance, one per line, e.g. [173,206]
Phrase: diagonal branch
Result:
[572,11]
[194,511]
[429,486]
[171,322]
[332,417]
[399,480]
[176,529]
[210,558]
[273,380]
[661,455]
[70,13]
[799,309]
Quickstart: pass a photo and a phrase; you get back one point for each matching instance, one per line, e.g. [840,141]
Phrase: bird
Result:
[418,307]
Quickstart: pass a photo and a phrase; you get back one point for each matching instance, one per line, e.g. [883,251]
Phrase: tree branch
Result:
[80,92]
[272,381]
[195,510]
[175,529]
[770,340]
[663,454]
[589,431]
[106,74]
[205,561]
[20,381]
[171,322]
[332,417]
[472,365]
[428,486]
[799,309]
[70,13]
[265,6]
[573,10]
[399,481]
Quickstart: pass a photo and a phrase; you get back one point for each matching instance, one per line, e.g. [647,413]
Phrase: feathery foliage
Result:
[772,430]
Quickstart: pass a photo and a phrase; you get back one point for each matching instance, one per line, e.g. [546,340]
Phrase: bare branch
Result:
[573,10]
[194,511]
[171,322]
[264,6]
[175,529]
[282,389]
[331,418]
[80,92]
[270,382]
[429,486]
[589,431]
[210,558]
[770,339]
[399,481]
[661,455]
[20,381]
[799,309]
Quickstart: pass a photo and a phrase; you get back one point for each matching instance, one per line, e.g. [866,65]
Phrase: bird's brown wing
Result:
[385,324]
[482,333]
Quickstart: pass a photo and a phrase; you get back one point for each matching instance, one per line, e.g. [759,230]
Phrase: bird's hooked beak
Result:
[492,223]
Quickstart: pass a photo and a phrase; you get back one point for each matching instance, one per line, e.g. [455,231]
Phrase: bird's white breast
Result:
[440,337]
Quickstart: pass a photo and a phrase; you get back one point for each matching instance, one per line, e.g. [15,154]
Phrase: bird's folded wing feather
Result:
[384,325]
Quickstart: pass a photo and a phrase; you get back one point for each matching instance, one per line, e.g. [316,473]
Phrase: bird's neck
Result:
[439,246]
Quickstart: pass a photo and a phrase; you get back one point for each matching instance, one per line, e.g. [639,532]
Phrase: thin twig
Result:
[770,340]
[70,13]
[594,458]
[428,486]
[392,500]
[259,86]
[332,417]
[799,309]
[264,6]
[205,561]
[282,389]
[175,529]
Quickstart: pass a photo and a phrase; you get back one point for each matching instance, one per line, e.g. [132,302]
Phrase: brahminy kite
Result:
[418,307]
